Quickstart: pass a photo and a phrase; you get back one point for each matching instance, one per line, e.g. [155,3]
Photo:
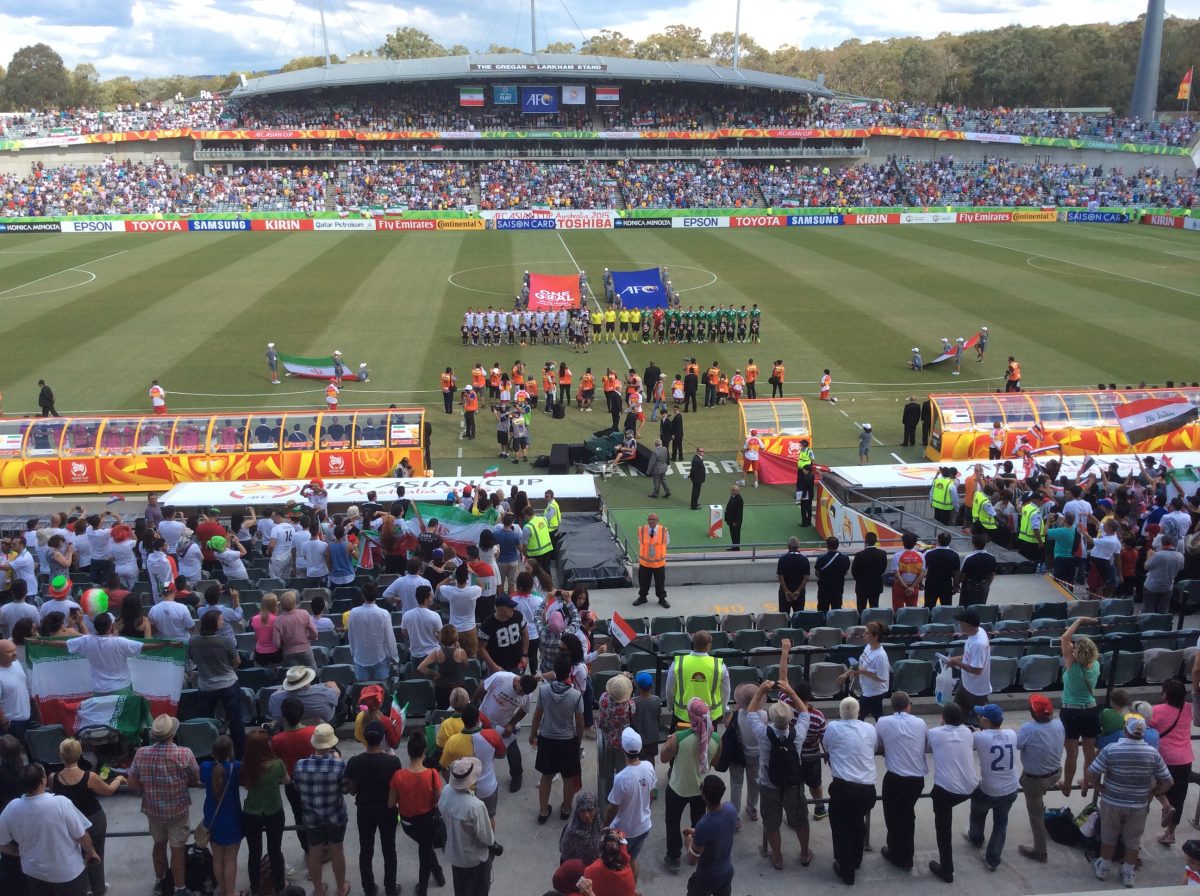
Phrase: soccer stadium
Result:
[352,417]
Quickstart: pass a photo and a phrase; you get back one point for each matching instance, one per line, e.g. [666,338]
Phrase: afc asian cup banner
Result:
[553,293]
[640,289]
[574,95]
[539,100]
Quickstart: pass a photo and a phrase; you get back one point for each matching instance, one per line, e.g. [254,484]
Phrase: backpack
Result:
[783,763]
[732,752]
[198,873]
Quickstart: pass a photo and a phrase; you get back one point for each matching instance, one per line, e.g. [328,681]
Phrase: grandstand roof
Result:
[522,66]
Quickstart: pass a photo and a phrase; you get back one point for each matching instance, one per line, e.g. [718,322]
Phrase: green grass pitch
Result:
[99,316]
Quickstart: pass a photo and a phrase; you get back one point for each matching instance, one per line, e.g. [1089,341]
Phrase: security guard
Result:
[1029,534]
[538,547]
[983,514]
[470,404]
[553,516]
[653,541]
[944,496]
[698,674]
[449,381]
[804,457]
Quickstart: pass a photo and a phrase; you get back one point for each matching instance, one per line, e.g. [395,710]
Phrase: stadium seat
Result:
[987,613]
[795,635]
[843,653]
[1116,606]
[1047,627]
[674,642]
[721,640]
[328,639]
[1008,647]
[806,619]
[942,614]
[245,642]
[913,676]
[606,662]
[1013,628]
[823,679]
[762,657]
[1050,609]
[342,655]
[43,742]
[1023,612]
[1155,622]
[735,622]
[878,614]
[772,620]
[1117,625]
[1003,673]
[262,699]
[795,674]
[661,625]
[704,622]
[843,619]
[191,705]
[417,694]
[925,651]
[741,675]
[1083,608]
[935,631]
[856,634]
[342,675]
[918,616]
[1037,673]
[825,636]
[270,583]
[1159,664]
[320,656]
[639,660]
[256,677]
[600,679]
[309,594]
[198,735]
[1127,669]
[748,638]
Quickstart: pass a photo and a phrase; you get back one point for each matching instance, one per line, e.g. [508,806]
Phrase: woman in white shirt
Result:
[874,672]
[123,551]
[189,558]
[158,568]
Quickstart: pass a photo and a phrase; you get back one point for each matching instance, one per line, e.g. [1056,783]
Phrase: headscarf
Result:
[613,852]
[578,840]
[702,727]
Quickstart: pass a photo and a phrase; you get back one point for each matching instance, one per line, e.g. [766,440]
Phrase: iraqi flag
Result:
[621,630]
[945,356]
[61,683]
[1150,417]
[316,368]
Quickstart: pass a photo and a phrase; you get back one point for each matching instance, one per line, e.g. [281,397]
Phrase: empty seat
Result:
[1024,612]
[1083,608]
[741,675]
[256,678]
[762,657]
[1047,626]
[825,636]
[270,583]
[703,622]
[1126,670]
[342,654]
[198,735]
[1037,673]
[661,625]
[935,631]
[1116,606]
[748,638]
[721,640]
[943,614]
[916,616]
[262,700]
[1159,664]
[1004,672]
[771,620]
[987,613]
[639,661]
[191,705]
[795,635]
[795,674]
[925,650]
[843,653]
[309,594]
[823,679]
[674,642]
[340,674]
[806,619]
[856,634]
[328,639]
[1050,609]
[1014,628]
[878,614]
[600,679]
[1008,647]
[606,662]
[1155,622]
[913,676]
[734,622]
[245,641]
[417,695]
[1117,625]
[842,619]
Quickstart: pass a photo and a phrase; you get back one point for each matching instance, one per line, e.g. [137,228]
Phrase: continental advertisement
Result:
[218,136]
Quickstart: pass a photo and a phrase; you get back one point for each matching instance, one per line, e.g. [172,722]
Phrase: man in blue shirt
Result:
[709,845]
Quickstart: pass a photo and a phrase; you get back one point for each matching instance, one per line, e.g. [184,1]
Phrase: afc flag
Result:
[539,100]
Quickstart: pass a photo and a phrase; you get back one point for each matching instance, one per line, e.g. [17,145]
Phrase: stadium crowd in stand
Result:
[123,187]
[642,106]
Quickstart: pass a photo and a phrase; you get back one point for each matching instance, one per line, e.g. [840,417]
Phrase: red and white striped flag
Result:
[1149,417]
[1166,462]
[621,630]
[1038,432]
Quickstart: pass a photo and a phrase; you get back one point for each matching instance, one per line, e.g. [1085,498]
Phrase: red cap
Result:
[1040,705]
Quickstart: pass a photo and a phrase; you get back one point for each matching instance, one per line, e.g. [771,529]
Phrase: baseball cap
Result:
[504,601]
[1135,725]
[631,741]
[992,713]
[645,680]
[1040,705]
[970,617]
[1191,849]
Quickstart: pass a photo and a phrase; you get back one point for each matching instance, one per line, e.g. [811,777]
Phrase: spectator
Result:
[318,780]
[171,620]
[461,597]
[831,568]
[617,712]
[403,591]
[368,778]
[17,608]
[414,793]
[223,812]
[504,700]
[998,785]
[293,632]
[1040,742]
[1080,713]
[975,663]
[902,740]
[14,693]
[469,836]
[291,745]
[216,661]
[319,702]
[50,835]
[710,842]
[421,626]
[232,614]
[504,638]
[372,640]
[690,754]
[873,671]
[163,772]
[850,744]
[974,579]
[451,660]
[556,732]
[579,842]
[780,778]
[941,568]
[954,780]
[82,787]
[261,775]
[1127,775]
[629,800]
[484,744]
[1172,719]
[1162,566]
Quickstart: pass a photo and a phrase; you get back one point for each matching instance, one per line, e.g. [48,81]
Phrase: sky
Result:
[142,38]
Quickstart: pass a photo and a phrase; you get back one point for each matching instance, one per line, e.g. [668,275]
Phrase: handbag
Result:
[203,833]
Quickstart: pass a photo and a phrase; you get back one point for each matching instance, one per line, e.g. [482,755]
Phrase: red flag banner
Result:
[621,630]
[1143,420]
[945,356]
[1185,86]
[551,293]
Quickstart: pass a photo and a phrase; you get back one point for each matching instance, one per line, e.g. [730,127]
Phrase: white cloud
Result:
[217,36]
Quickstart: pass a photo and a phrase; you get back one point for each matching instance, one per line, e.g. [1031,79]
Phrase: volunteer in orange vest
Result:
[722,390]
[632,385]
[494,378]
[549,386]
[331,395]
[777,379]
[587,390]
[470,404]
[751,379]
[478,377]
[449,385]
[158,398]
[711,376]
[1012,377]
[750,456]
[518,374]
[653,541]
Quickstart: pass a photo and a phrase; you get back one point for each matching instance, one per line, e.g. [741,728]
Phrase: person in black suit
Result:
[867,570]
[831,568]
[665,432]
[733,517]
[926,420]
[676,434]
[697,474]
[910,417]
[691,382]
[650,376]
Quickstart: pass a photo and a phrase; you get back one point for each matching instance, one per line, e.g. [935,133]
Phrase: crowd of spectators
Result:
[642,107]
[127,187]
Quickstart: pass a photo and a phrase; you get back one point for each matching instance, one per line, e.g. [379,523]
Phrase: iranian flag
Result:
[459,528]
[316,368]
[61,682]
[470,96]
[944,356]
[1150,417]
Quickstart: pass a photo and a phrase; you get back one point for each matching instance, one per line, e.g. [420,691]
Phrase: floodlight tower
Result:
[1145,83]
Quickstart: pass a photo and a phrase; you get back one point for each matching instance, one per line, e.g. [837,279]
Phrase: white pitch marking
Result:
[899,459]
[567,249]
[76,268]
